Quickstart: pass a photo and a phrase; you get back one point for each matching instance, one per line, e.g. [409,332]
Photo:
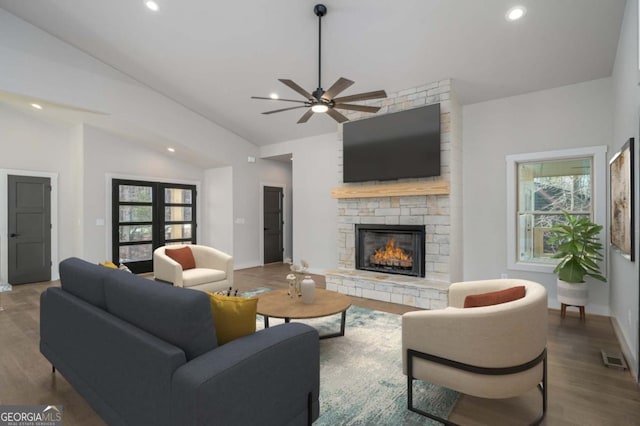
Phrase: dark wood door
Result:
[29,220]
[273,224]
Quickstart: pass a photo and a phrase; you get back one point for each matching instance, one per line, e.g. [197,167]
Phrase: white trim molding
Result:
[599,198]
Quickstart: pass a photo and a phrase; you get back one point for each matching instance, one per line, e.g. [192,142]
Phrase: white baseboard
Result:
[632,362]
[245,265]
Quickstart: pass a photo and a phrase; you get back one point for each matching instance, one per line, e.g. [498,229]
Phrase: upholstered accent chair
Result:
[496,351]
[213,269]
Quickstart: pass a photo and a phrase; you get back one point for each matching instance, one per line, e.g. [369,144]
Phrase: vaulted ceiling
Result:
[213,56]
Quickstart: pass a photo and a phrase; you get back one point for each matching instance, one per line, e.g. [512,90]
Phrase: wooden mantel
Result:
[396,189]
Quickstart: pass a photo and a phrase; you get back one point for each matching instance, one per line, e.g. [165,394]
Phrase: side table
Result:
[4,287]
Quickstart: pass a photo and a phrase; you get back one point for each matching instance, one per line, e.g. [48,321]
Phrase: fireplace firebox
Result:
[393,249]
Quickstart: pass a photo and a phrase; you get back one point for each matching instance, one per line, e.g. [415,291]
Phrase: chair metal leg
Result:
[489,371]
[410,406]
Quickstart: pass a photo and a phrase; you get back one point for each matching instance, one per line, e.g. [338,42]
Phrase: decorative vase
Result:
[574,294]
[308,288]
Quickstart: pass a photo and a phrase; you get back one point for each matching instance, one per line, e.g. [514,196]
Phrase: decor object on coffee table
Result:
[308,289]
[278,304]
[208,270]
[295,277]
[621,191]
[497,351]
[580,251]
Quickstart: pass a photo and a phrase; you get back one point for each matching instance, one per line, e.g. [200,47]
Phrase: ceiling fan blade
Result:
[363,108]
[295,87]
[377,94]
[336,115]
[339,86]
[305,117]
[284,109]
[278,99]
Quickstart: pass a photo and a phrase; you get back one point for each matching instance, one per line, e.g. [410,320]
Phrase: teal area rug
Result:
[361,380]
[255,292]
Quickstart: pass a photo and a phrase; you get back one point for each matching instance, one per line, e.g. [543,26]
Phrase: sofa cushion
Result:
[199,276]
[179,316]
[183,255]
[233,316]
[84,280]
[494,297]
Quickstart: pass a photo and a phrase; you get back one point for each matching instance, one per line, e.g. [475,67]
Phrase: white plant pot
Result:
[575,294]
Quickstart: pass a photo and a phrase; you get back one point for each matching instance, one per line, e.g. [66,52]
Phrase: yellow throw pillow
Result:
[233,316]
[109,264]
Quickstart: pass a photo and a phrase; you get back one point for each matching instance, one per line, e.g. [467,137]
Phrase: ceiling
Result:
[213,56]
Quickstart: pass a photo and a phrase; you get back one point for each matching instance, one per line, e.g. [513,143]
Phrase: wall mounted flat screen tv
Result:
[399,145]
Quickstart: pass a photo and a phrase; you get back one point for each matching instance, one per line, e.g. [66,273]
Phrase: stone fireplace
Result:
[433,203]
[392,249]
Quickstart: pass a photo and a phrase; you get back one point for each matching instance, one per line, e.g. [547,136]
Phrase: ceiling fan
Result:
[325,101]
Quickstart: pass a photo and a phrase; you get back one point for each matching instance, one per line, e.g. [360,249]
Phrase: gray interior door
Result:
[29,220]
[273,224]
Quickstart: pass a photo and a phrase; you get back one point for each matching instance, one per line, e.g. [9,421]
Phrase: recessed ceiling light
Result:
[171,149]
[515,13]
[151,5]
[274,96]
[319,108]
[36,106]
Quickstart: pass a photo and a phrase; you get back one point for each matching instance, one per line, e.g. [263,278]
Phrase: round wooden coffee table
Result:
[278,304]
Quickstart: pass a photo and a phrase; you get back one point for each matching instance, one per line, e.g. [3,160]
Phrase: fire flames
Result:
[391,255]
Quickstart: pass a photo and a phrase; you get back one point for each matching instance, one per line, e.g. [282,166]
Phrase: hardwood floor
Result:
[581,390]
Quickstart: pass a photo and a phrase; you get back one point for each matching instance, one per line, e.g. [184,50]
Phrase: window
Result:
[540,187]
[148,215]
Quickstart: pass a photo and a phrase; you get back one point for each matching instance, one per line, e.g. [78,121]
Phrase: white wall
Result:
[219,199]
[108,156]
[30,144]
[567,117]
[37,65]
[626,101]
[315,174]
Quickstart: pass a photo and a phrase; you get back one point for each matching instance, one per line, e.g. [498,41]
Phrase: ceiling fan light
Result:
[319,108]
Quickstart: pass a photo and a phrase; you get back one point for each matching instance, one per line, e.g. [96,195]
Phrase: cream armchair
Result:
[213,271]
[494,351]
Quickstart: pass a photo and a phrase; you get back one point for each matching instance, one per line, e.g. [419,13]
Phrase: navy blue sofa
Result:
[145,353]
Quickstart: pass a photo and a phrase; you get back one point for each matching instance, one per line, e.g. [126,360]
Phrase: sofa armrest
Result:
[261,379]
[166,269]
[208,257]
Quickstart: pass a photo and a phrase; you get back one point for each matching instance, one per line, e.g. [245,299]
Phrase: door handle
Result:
[13,235]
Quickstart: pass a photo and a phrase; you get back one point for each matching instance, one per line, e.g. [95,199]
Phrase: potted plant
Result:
[579,252]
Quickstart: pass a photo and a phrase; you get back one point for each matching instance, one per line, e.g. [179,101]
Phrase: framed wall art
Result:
[621,202]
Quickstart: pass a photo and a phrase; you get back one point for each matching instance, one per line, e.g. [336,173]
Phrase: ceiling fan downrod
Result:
[320,10]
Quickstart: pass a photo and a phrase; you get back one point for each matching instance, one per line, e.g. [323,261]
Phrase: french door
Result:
[148,215]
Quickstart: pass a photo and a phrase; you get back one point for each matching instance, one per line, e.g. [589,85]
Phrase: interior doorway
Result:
[273,224]
[29,229]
